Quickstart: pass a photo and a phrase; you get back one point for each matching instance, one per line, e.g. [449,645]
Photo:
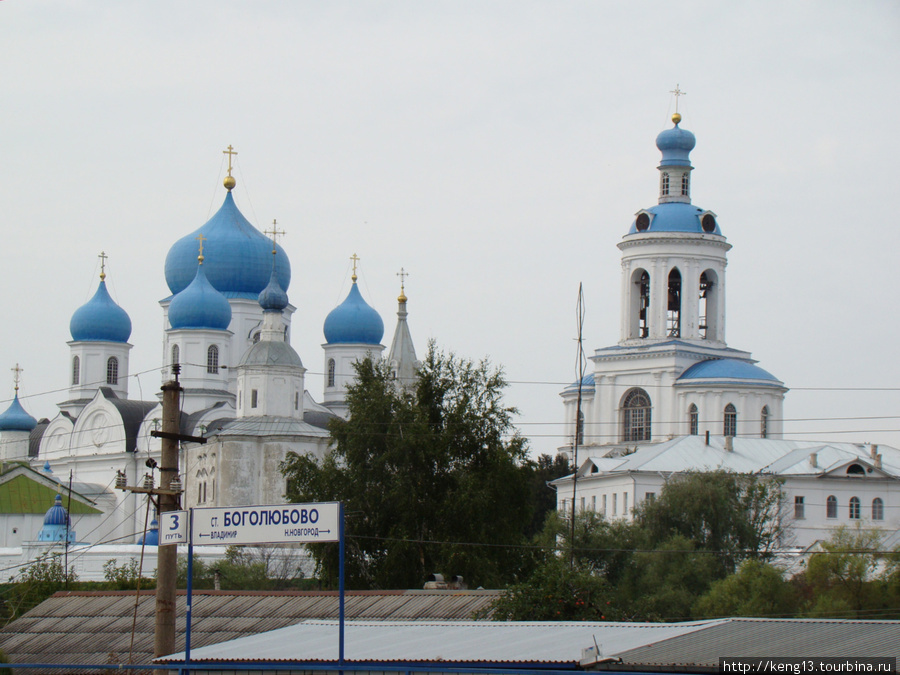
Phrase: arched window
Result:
[330,372]
[636,416]
[831,507]
[176,355]
[296,400]
[76,370]
[112,370]
[664,183]
[212,360]
[673,313]
[855,470]
[764,422]
[693,420]
[854,508]
[729,426]
[579,429]
[877,509]
[685,185]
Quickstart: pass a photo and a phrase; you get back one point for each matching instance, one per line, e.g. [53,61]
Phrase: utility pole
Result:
[167,497]
[167,556]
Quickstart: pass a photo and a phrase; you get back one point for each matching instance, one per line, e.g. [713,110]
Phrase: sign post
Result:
[312,523]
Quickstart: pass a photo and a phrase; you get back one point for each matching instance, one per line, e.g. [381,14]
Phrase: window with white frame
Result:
[854,508]
[636,416]
[831,507]
[799,508]
[877,509]
[729,422]
[112,370]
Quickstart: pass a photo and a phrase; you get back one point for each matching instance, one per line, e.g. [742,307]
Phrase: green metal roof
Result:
[22,494]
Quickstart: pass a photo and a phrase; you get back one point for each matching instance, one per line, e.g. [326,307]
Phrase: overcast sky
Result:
[495,150]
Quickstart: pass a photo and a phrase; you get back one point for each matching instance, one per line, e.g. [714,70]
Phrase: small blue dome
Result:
[728,369]
[152,535]
[200,305]
[56,524]
[100,320]
[678,217]
[16,419]
[239,256]
[273,298]
[676,145]
[56,514]
[353,321]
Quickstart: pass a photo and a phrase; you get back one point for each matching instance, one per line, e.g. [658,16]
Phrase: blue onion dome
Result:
[152,538]
[354,321]
[676,144]
[16,419]
[200,305]
[56,514]
[240,260]
[100,319]
[273,298]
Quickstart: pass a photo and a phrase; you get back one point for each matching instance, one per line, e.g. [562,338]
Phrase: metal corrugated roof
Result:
[749,638]
[447,641]
[86,627]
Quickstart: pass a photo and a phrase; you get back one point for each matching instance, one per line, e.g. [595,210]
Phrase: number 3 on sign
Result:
[173,528]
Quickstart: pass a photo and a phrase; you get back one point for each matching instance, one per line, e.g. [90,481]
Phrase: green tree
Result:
[756,589]
[37,582]
[544,470]
[736,516]
[432,480]
[126,576]
[559,591]
[842,579]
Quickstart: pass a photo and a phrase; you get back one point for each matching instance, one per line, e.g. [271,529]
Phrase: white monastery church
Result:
[228,327]
[672,396]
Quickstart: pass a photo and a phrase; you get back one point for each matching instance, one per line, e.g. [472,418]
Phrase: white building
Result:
[227,324]
[672,396]
[672,372]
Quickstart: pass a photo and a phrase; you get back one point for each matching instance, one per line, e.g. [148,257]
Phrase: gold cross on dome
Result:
[355,259]
[103,258]
[17,372]
[230,152]
[201,239]
[677,91]
[275,232]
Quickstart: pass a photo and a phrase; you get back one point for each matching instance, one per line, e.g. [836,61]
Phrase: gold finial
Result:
[16,376]
[201,239]
[676,118]
[355,259]
[402,274]
[103,258]
[229,181]
[275,232]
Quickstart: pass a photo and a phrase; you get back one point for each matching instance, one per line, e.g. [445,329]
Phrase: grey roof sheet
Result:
[270,426]
[445,641]
[770,638]
[86,627]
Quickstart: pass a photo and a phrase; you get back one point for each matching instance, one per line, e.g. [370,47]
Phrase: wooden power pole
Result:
[167,556]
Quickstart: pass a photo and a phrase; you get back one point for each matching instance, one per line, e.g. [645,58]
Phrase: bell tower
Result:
[674,258]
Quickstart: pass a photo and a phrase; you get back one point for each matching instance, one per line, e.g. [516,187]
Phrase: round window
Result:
[709,223]
[642,222]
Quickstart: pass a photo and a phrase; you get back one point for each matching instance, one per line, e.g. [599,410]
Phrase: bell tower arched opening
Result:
[709,306]
[673,309]
[639,305]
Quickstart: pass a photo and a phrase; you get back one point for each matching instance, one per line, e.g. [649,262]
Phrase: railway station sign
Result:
[276,524]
